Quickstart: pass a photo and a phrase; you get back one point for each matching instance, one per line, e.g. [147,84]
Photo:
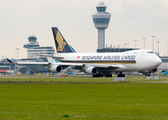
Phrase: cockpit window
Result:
[150,52]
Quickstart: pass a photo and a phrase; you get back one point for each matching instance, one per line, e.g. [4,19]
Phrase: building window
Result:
[101,20]
[101,9]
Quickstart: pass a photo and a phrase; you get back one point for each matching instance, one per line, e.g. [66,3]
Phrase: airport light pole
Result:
[119,48]
[135,43]
[158,46]
[17,60]
[125,45]
[17,53]
[114,48]
[153,42]
[144,42]
[110,47]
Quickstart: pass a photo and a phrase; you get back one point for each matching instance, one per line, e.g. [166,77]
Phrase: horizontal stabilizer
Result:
[51,60]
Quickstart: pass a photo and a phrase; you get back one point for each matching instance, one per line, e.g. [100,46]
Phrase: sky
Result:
[130,20]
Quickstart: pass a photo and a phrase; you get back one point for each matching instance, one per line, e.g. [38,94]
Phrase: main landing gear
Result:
[121,75]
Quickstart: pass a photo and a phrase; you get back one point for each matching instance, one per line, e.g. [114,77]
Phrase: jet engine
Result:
[91,70]
[55,68]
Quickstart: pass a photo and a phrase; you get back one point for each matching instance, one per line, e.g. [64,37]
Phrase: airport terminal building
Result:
[33,52]
[34,49]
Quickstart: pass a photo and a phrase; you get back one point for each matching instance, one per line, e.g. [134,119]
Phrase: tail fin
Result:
[60,43]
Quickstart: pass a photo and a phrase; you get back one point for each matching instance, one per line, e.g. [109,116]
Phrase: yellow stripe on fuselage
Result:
[102,62]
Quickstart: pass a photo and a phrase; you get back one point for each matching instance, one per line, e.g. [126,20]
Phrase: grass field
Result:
[82,99]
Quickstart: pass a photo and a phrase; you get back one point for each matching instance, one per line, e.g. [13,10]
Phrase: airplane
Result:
[100,64]
[6,59]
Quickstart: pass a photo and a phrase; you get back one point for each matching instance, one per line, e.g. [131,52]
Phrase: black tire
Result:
[118,75]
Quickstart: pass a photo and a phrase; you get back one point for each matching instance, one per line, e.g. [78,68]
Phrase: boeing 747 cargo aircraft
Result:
[100,64]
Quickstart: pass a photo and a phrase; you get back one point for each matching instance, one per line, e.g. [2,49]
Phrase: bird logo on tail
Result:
[60,41]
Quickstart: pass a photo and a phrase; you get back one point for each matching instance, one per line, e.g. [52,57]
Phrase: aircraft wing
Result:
[51,61]
[41,63]
[74,65]
[80,66]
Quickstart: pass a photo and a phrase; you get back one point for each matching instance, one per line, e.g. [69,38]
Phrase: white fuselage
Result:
[135,60]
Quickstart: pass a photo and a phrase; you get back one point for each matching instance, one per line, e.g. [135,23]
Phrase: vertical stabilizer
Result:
[60,43]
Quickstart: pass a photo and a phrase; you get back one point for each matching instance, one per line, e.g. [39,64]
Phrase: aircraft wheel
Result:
[106,75]
[110,75]
[121,75]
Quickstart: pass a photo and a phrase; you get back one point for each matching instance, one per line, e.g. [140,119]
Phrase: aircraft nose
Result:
[158,61]
[154,61]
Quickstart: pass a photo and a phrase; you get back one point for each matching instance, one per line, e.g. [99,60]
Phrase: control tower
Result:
[32,42]
[101,21]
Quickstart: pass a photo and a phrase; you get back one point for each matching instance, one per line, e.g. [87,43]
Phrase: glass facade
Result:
[41,50]
[11,66]
[35,52]
[101,20]
[32,39]
[164,59]
[101,9]
[29,46]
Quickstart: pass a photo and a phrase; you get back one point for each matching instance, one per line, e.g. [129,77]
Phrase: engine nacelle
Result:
[91,70]
[55,68]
